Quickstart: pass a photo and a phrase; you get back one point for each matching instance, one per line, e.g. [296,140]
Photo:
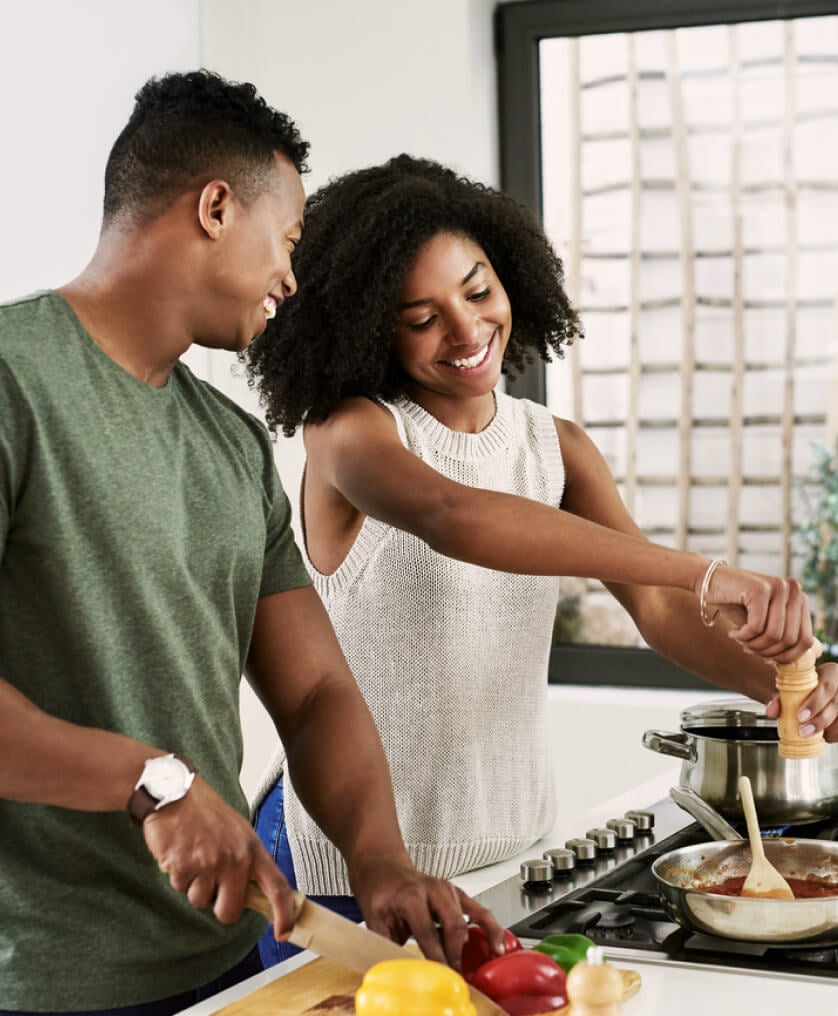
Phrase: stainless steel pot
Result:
[801,922]
[723,740]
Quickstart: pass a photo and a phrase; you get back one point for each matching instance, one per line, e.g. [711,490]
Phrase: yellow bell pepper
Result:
[413,988]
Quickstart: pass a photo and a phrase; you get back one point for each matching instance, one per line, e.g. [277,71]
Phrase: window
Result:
[685,164]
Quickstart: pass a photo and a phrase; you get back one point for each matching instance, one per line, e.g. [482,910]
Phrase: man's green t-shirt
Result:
[138,528]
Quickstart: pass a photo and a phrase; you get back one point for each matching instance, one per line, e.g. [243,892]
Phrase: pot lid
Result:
[732,712]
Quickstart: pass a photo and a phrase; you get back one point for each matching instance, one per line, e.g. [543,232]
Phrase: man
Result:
[146,561]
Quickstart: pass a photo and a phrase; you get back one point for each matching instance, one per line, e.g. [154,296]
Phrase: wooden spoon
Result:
[763,879]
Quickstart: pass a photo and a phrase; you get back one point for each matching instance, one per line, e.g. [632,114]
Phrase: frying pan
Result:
[800,922]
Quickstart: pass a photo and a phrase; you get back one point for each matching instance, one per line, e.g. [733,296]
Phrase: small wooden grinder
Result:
[594,988]
[794,682]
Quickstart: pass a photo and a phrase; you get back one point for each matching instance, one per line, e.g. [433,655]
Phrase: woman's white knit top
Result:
[452,659]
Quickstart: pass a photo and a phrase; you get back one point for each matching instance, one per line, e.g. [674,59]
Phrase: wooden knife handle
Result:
[255,899]
[794,683]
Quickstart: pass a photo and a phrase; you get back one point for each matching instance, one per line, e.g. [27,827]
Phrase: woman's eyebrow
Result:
[469,275]
[477,266]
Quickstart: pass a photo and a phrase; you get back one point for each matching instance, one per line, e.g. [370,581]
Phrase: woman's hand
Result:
[770,615]
[820,710]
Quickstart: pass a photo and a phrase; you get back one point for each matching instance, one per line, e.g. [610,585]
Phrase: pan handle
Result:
[664,742]
[695,805]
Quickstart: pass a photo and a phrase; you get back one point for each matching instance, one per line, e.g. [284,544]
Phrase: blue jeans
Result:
[249,966]
[270,826]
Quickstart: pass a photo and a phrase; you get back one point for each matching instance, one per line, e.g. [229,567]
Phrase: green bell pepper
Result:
[566,950]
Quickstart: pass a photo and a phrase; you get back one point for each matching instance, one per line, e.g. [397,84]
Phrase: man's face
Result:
[250,266]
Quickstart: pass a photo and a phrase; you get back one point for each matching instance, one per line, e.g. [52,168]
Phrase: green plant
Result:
[567,626]
[817,538]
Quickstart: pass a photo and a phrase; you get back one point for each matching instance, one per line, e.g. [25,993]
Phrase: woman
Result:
[439,512]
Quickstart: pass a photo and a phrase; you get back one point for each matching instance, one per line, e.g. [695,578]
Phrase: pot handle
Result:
[718,827]
[665,742]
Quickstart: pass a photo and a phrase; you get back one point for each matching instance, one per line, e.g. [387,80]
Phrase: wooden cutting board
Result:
[322,988]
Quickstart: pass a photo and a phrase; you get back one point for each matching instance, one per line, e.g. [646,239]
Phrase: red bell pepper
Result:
[531,1005]
[477,951]
[523,982]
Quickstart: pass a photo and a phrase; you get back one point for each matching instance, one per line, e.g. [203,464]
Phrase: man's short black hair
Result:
[188,129]
[363,231]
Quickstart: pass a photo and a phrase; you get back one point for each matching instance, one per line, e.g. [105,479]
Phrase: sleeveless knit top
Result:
[452,659]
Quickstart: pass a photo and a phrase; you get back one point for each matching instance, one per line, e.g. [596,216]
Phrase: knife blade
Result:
[337,938]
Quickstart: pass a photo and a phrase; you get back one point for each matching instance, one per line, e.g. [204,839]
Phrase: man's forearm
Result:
[340,772]
[45,760]
[334,752]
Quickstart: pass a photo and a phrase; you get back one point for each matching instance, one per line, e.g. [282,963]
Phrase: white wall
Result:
[364,79]
[367,79]
[68,74]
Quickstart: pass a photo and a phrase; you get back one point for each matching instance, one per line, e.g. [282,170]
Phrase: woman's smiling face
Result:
[454,321]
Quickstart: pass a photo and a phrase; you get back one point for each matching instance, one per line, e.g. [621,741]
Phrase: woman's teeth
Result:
[471,361]
[270,307]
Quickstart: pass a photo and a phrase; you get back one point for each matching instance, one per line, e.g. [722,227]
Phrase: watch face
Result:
[166,777]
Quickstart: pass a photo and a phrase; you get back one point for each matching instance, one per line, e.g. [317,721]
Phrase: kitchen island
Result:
[668,987]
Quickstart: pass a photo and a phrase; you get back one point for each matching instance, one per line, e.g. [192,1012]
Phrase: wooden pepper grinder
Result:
[594,988]
[794,682]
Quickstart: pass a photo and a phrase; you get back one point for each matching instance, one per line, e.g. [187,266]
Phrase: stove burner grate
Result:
[608,916]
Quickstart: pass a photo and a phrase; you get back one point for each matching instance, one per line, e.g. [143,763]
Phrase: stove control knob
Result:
[585,850]
[562,859]
[605,839]
[644,820]
[623,827]
[536,873]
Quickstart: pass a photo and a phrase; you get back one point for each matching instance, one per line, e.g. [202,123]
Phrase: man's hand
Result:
[820,710]
[210,852]
[400,902]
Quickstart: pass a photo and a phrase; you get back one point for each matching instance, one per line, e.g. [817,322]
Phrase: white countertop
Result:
[667,988]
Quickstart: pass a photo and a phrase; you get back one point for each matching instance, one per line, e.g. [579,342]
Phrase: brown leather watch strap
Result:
[141,803]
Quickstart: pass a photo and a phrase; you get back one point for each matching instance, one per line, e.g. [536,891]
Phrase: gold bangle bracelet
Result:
[708,622]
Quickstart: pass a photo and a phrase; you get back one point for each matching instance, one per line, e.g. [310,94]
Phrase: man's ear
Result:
[215,204]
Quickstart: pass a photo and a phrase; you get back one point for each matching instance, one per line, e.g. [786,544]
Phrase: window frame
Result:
[519,28]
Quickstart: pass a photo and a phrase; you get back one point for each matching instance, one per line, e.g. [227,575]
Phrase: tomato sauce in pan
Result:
[803,888]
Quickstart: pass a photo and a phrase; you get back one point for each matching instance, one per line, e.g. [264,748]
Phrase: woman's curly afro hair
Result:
[363,231]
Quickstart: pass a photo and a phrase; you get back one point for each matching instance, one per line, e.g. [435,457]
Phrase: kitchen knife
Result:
[337,938]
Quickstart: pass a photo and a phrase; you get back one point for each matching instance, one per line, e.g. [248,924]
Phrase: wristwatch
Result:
[163,781]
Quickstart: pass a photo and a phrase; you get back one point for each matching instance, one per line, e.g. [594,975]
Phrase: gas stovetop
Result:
[612,898]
